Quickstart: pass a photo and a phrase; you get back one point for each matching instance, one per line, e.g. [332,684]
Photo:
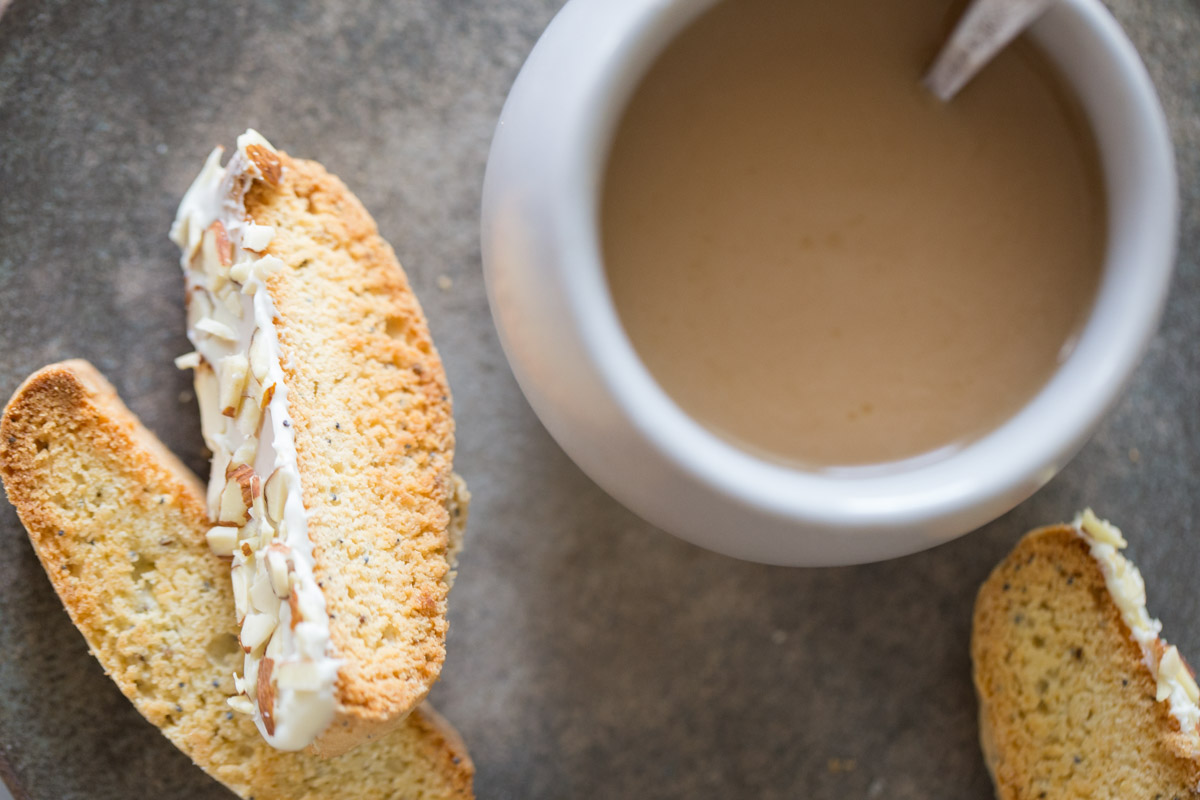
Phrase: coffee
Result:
[826,266]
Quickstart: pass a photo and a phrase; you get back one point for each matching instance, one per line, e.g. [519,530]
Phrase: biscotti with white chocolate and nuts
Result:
[327,411]
[119,525]
[1079,697]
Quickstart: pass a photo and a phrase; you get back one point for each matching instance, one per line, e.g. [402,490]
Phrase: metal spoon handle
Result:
[986,27]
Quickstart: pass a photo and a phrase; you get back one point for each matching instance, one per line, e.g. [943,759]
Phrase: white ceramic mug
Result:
[561,334]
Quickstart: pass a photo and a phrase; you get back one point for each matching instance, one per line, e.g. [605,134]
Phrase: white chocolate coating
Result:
[1175,683]
[244,418]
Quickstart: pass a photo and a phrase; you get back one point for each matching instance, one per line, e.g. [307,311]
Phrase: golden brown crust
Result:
[55,402]
[1066,703]
[374,441]
[119,525]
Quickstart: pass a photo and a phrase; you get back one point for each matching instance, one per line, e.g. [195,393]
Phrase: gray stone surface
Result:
[590,655]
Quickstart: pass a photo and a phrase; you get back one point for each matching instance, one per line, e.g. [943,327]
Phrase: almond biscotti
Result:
[119,525]
[327,411]
[1079,697]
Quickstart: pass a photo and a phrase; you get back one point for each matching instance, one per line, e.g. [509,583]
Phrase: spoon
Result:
[985,28]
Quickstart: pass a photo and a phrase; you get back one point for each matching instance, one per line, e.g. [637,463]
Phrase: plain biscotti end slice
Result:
[119,525]
[1078,696]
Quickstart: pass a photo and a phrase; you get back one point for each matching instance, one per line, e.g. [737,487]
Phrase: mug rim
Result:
[1030,446]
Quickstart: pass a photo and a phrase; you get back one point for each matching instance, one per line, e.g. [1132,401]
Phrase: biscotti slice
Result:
[1078,695]
[327,411]
[119,525]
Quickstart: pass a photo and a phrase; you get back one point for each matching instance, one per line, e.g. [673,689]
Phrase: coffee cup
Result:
[563,336]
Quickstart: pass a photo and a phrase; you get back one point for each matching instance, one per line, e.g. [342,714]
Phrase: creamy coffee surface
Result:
[822,263]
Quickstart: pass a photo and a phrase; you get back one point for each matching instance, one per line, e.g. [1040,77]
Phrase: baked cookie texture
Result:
[369,410]
[374,443]
[1069,702]
[119,525]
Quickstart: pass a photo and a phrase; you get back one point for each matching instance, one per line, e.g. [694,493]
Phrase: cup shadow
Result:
[605,653]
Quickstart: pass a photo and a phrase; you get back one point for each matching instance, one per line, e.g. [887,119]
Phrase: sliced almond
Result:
[240,271]
[212,493]
[241,705]
[259,508]
[211,424]
[240,575]
[266,695]
[222,539]
[253,390]
[257,237]
[252,136]
[299,676]
[310,608]
[212,327]
[262,596]
[238,472]
[277,569]
[248,418]
[258,271]
[1174,671]
[233,508]
[266,534]
[275,492]
[294,604]
[249,483]
[209,257]
[248,532]
[268,163]
[265,267]
[231,301]
[223,245]
[232,372]
[215,268]
[246,451]
[250,671]
[255,631]
[260,355]
[199,305]
[267,394]
[190,360]
[1102,530]
[275,650]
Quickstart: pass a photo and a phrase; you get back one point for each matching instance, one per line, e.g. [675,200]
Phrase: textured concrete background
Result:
[590,655]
